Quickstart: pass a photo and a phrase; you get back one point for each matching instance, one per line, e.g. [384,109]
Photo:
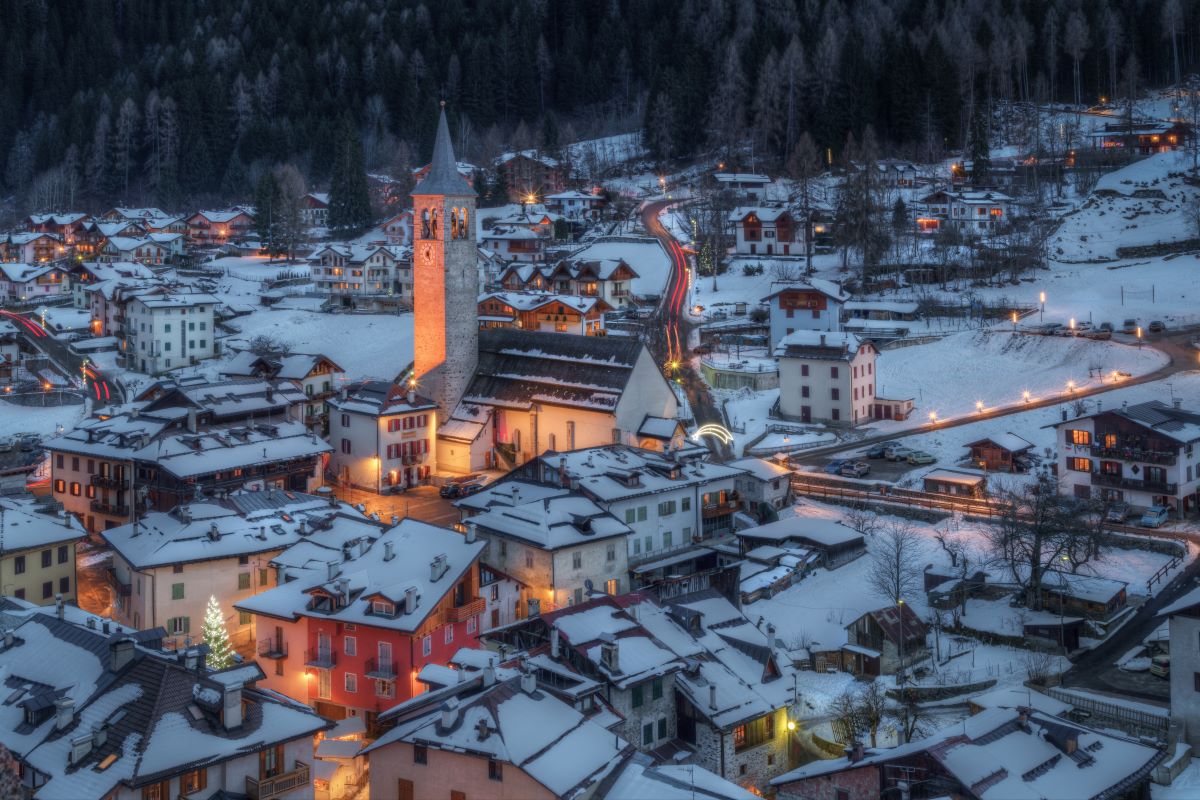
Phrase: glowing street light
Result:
[933,418]
[1042,300]
[791,725]
[1026,395]
[1071,324]
[979,406]
[1070,386]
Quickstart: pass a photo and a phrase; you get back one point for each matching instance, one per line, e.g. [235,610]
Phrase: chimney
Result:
[411,397]
[410,600]
[59,611]
[438,567]
[388,551]
[712,696]
[214,533]
[470,533]
[610,653]
[64,712]
[301,528]
[528,682]
[8,639]
[822,340]
[554,643]
[563,480]
[120,653]
[1177,402]
[770,637]
[334,569]
[192,424]
[106,627]
[80,747]
[450,713]
[231,706]
[190,659]
[855,753]
[489,674]
[99,736]
[481,729]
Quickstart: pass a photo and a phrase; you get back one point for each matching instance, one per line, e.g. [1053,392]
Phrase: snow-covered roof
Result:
[359,253]
[1007,440]
[398,561]
[639,777]
[27,522]
[137,213]
[895,306]
[223,216]
[219,529]
[533,155]
[126,244]
[17,272]
[574,195]
[1090,588]
[761,468]
[1188,600]
[57,219]
[505,233]
[614,472]
[378,399]
[955,476]
[547,517]
[530,301]
[827,288]
[839,345]
[762,213]
[1180,424]
[741,177]
[817,530]
[177,300]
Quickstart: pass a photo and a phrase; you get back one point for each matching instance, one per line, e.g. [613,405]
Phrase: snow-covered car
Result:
[879,449]
[856,469]
[920,457]
[897,453]
[1157,326]
[1118,512]
[835,467]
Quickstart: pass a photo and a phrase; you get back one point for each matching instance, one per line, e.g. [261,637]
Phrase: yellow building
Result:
[37,550]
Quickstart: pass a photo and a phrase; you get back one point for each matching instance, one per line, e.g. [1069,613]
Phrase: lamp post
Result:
[1042,313]
[979,406]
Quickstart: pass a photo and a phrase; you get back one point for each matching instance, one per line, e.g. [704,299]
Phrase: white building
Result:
[826,377]
[515,243]
[382,436]
[20,282]
[357,274]
[976,211]
[765,482]
[141,250]
[1143,455]
[813,305]
[759,230]
[317,375]
[575,205]
[166,330]
[1184,621]
[745,184]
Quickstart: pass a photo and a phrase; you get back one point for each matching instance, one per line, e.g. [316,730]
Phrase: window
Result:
[1196,681]
[193,781]
[1079,464]
[243,560]
[612,586]
[667,536]
[383,608]
[177,625]
[685,504]
[385,688]
[641,513]
[804,370]
[176,591]
[64,585]
[835,394]
[662,727]
[841,794]
[449,634]
[754,733]
[666,508]
[833,372]
[648,734]
[426,645]
[47,589]
[350,646]
[351,682]
[346,446]
[577,560]
[262,577]
[529,561]
[75,489]
[630,516]
[420,754]
[472,625]
[656,688]
[836,414]
[159,791]
[495,770]
[804,391]
[610,553]
[63,554]
[637,697]
[243,580]
[60,485]
[1079,437]
[47,558]
[649,543]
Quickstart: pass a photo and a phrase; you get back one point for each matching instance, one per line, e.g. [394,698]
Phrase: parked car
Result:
[1099,335]
[856,469]
[920,457]
[1157,326]
[1106,326]
[1130,326]
[456,490]
[1160,666]
[1154,516]
[835,467]
[452,484]
[1118,512]
[879,449]
[898,453]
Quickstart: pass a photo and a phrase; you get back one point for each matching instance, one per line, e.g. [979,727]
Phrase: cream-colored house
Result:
[37,550]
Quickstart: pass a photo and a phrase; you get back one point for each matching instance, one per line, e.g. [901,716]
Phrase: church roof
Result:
[443,176]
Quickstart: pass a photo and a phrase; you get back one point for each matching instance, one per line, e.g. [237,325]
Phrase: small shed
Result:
[1084,595]
[1063,633]
[956,482]
[998,452]
[837,543]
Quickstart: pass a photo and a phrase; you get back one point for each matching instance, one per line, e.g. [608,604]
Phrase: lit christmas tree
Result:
[220,652]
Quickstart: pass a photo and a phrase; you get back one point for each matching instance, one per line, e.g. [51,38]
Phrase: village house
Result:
[556,542]
[743,184]
[122,214]
[607,279]
[575,205]
[314,209]
[363,275]
[90,241]
[515,244]
[997,754]
[531,311]
[314,374]
[885,641]
[180,443]
[1183,619]
[10,352]
[529,173]
[1003,452]
[760,230]
[827,377]
[37,549]
[814,305]
[363,626]
[397,229]
[956,482]
[207,228]
[32,247]
[138,250]
[166,565]
[382,436]
[969,211]
[21,282]
[532,217]
[1144,137]
[766,484]
[166,223]
[65,226]
[165,330]
[103,715]
[1087,596]
[835,544]
[1144,455]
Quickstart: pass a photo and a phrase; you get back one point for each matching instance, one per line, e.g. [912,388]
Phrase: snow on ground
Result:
[255,268]
[592,157]
[364,345]
[1185,787]
[1143,203]
[42,420]
[647,258]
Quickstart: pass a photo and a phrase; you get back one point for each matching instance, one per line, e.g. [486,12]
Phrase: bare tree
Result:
[873,709]
[863,519]
[1039,531]
[1075,42]
[895,571]
[1172,24]
[855,714]
[264,344]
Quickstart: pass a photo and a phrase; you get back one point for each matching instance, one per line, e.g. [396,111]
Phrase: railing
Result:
[267,788]
[465,611]
[1135,454]
[110,482]
[1162,487]
[321,659]
[272,648]
[719,509]
[383,670]
[101,507]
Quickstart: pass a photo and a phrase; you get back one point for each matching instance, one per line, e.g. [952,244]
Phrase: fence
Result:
[1135,719]
[831,488]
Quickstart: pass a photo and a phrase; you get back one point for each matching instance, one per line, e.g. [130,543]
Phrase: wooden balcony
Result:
[1159,487]
[267,788]
[110,482]
[464,612]
[719,509]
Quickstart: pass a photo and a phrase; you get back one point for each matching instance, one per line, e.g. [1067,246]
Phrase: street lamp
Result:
[1014,321]
[933,418]
[1042,300]
[979,406]
[1071,386]
[1026,395]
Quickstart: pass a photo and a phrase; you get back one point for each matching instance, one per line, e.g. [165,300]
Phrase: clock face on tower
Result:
[427,255]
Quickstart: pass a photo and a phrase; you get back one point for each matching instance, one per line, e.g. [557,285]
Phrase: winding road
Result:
[58,352]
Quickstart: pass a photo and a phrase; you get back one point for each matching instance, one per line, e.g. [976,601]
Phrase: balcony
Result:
[321,659]
[119,483]
[1121,482]
[465,611]
[112,509]
[279,785]
[719,509]
[273,648]
[1120,453]
[381,670]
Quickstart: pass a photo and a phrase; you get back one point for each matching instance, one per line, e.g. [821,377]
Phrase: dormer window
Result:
[383,608]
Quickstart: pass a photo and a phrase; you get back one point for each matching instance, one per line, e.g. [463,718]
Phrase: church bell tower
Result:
[445,283]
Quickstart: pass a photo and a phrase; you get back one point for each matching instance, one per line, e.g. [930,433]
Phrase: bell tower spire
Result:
[445,282]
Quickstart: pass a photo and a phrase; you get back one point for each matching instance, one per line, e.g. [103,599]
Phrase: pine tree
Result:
[349,201]
[268,203]
[981,158]
[220,652]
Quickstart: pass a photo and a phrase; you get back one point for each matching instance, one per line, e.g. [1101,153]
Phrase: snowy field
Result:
[255,268]
[648,260]
[44,421]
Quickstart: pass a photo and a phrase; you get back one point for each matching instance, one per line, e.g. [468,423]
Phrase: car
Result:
[452,484]
[1099,335]
[898,453]
[1118,512]
[834,467]
[920,457]
[1106,326]
[1130,326]
[465,489]
[1160,666]
[1154,516]
[856,469]
[1157,326]
[877,450]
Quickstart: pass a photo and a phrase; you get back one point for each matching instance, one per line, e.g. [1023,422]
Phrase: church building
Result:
[505,396]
